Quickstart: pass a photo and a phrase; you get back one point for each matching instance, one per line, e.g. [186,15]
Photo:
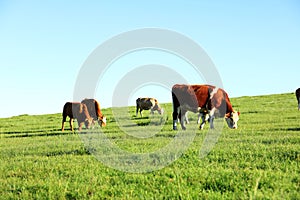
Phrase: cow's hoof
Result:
[184,128]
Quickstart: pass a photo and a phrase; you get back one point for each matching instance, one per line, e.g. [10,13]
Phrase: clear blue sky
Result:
[255,45]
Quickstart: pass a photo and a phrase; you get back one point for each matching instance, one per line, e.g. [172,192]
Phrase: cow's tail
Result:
[137,106]
[176,105]
[65,111]
[137,101]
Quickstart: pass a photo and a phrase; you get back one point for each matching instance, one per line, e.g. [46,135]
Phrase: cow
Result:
[94,110]
[79,111]
[298,97]
[148,104]
[199,99]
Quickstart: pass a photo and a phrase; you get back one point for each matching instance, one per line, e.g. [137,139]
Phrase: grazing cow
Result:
[77,111]
[148,104]
[298,97]
[93,107]
[202,98]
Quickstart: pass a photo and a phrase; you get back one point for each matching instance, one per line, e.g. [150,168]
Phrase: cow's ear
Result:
[228,115]
[238,113]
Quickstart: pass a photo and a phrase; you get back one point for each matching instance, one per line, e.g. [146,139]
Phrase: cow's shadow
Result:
[293,129]
[286,129]
[139,117]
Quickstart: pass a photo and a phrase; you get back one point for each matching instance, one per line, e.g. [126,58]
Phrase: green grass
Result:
[259,160]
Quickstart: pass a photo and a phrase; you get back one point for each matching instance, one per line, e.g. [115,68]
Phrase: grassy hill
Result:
[258,160]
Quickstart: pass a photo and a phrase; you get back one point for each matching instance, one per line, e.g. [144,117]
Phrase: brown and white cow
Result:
[94,110]
[148,104]
[79,111]
[298,97]
[201,98]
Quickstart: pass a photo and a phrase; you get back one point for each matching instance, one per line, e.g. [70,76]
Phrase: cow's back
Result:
[145,103]
[193,96]
[72,109]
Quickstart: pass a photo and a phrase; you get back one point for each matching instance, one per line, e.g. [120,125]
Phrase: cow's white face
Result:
[232,120]
[161,111]
[103,122]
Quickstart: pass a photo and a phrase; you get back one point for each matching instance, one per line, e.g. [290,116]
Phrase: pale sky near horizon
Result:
[255,46]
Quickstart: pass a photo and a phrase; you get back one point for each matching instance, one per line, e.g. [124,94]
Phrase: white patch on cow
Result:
[174,123]
[104,120]
[232,120]
[211,117]
[161,111]
[215,90]
[186,118]
[203,114]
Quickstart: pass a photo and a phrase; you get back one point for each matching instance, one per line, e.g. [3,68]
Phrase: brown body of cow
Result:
[94,110]
[298,97]
[76,110]
[200,98]
[147,104]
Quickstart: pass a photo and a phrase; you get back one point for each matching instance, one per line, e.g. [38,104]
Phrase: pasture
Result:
[259,160]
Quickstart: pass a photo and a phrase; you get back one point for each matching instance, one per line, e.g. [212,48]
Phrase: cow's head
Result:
[160,111]
[232,119]
[102,121]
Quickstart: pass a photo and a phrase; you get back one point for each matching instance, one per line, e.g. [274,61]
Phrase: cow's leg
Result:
[151,111]
[211,117]
[137,111]
[182,118]
[63,122]
[71,124]
[186,118]
[202,116]
[62,125]
[141,112]
[199,117]
[79,125]
[175,118]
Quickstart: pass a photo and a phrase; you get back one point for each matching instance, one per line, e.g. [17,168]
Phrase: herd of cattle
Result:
[206,100]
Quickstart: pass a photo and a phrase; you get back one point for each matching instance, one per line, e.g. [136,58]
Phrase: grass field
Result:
[259,160]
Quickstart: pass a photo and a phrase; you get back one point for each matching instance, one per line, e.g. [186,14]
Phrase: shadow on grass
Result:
[38,133]
[293,129]
[166,135]
[286,129]
[79,152]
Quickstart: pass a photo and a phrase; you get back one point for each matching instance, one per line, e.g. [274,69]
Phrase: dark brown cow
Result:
[200,98]
[298,97]
[148,104]
[76,110]
[93,107]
